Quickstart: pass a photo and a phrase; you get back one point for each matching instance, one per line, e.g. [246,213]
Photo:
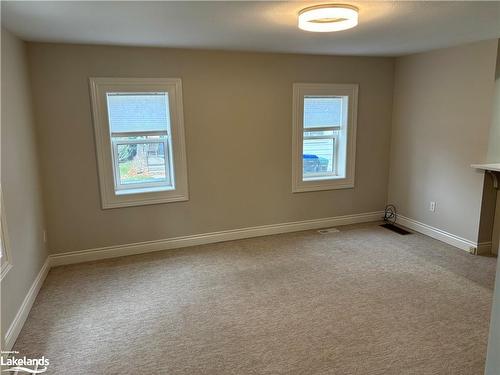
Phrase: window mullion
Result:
[139,134]
[319,136]
[138,141]
[321,128]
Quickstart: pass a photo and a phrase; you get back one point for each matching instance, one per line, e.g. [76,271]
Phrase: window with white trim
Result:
[324,136]
[139,135]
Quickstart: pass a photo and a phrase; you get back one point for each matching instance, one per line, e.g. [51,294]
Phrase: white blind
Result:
[138,112]
[322,111]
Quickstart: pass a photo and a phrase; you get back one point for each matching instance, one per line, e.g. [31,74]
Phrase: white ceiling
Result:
[385,28]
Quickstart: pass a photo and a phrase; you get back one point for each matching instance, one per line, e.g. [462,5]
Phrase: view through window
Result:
[322,124]
[141,142]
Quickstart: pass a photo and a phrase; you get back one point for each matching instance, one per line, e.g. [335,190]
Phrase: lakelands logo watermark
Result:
[24,364]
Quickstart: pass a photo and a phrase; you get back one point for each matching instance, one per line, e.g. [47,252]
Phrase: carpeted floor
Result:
[361,301]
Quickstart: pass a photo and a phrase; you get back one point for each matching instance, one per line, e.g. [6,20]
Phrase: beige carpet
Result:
[362,301]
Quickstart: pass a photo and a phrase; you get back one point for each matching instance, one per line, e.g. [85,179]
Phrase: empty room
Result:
[250,187]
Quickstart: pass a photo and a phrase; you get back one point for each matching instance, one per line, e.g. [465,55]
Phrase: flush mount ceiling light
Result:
[328,17]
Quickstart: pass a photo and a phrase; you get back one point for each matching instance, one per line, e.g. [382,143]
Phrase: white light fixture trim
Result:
[328,17]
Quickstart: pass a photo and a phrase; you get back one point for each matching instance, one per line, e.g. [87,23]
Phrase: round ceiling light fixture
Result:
[328,17]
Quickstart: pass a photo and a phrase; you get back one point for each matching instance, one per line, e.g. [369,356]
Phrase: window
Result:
[324,136]
[139,135]
[5,261]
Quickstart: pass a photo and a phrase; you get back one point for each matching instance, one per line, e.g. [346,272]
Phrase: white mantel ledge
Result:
[494,167]
[490,168]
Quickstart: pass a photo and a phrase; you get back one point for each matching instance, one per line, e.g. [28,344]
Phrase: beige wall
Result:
[20,180]
[441,121]
[494,148]
[238,121]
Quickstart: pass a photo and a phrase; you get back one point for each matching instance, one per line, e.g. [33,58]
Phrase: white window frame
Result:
[112,194]
[5,260]
[344,170]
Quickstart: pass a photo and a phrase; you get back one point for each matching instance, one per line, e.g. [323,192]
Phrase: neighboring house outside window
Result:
[324,136]
[140,140]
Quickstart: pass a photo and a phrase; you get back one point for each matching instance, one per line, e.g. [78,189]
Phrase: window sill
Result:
[143,190]
[323,184]
[145,196]
[324,178]
[145,199]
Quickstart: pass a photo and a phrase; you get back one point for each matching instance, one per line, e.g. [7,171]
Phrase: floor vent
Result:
[396,229]
[328,231]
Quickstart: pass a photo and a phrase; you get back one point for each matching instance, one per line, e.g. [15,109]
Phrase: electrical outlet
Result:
[44,236]
[432,206]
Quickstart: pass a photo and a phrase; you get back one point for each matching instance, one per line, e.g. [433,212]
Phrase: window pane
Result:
[318,157]
[138,112]
[322,111]
[143,163]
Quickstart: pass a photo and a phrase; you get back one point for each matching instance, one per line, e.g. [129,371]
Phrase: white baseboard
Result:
[22,313]
[438,234]
[206,238]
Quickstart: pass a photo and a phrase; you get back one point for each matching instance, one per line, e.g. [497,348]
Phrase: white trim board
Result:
[22,314]
[206,238]
[438,234]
